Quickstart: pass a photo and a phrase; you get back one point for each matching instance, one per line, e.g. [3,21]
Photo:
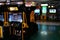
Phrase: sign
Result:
[33,4]
[13,8]
[28,4]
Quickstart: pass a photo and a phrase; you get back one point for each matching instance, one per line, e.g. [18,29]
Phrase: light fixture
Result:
[44,4]
[52,6]
[1,3]
[28,4]
[7,3]
[48,6]
[19,2]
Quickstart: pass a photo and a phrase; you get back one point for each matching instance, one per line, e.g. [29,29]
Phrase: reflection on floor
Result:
[46,32]
[49,23]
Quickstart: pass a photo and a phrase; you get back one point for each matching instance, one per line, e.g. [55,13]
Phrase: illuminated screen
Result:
[44,9]
[1,17]
[52,10]
[15,17]
[37,11]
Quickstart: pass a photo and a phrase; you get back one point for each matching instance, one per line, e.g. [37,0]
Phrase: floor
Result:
[47,32]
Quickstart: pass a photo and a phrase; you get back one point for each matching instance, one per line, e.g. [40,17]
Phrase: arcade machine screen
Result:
[44,10]
[52,11]
[15,17]
[37,11]
[1,19]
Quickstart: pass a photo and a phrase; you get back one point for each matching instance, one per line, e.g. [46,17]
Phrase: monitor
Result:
[2,0]
[52,10]
[15,17]
[37,11]
[44,9]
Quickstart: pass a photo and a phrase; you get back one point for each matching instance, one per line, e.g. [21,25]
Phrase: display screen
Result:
[44,9]
[1,17]
[52,10]
[37,11]
[15,17]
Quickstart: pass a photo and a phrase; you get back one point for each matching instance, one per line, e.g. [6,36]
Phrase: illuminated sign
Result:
[33,4]
[44,4]
[19,2]
[28,4]
[13,8]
